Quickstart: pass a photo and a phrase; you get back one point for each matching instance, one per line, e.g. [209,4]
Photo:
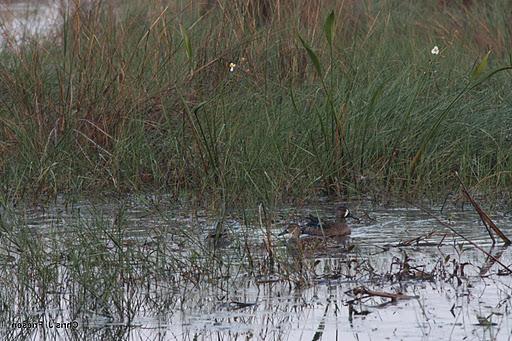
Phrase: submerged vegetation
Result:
[249,104]
[143,269]
[260,100]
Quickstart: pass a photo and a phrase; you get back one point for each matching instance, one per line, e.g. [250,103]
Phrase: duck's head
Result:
[342,212]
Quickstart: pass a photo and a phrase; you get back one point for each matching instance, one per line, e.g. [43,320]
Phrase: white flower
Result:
[232,67]
[435,50]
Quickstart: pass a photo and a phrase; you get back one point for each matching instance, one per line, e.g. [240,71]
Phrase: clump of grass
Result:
[344,97]
[110,269]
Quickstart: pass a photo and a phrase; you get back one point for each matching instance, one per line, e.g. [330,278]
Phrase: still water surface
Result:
[474,308]
[24,20]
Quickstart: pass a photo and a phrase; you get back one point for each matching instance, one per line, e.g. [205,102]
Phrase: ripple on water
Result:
[25,19]
[440,309]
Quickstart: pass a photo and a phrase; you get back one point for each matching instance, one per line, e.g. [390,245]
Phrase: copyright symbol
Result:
[74,324]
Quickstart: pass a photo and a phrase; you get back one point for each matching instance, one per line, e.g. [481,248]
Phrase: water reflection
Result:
[21,20]
[232,303]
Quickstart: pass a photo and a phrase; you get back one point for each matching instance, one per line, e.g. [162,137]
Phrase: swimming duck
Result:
[218,238]
[299,244]
[337,228]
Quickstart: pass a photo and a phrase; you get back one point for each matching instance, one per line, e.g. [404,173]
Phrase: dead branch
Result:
[371,293]
[486,220]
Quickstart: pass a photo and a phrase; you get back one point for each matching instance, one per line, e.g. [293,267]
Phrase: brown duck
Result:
[337,228]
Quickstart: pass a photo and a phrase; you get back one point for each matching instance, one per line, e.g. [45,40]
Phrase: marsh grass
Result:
[102,269]
[339,98]
[97,269]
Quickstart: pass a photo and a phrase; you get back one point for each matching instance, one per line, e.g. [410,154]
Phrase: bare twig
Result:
[464,238]
[371,293]
[488,223]
[489,262]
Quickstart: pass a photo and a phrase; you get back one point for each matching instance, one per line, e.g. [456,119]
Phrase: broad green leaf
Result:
[328,27]
[186,42]
[481,67]
[312,56]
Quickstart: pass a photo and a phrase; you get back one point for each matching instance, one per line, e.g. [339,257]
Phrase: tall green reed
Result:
[141,96]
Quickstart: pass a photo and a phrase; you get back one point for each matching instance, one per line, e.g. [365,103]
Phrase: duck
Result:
[336,228]
[299,244]
[218,238]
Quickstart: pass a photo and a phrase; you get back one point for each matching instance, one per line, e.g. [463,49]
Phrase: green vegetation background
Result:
[339,97]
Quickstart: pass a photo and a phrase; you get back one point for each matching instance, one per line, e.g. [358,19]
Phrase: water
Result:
[263,305]
[23,20]
[450,305]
